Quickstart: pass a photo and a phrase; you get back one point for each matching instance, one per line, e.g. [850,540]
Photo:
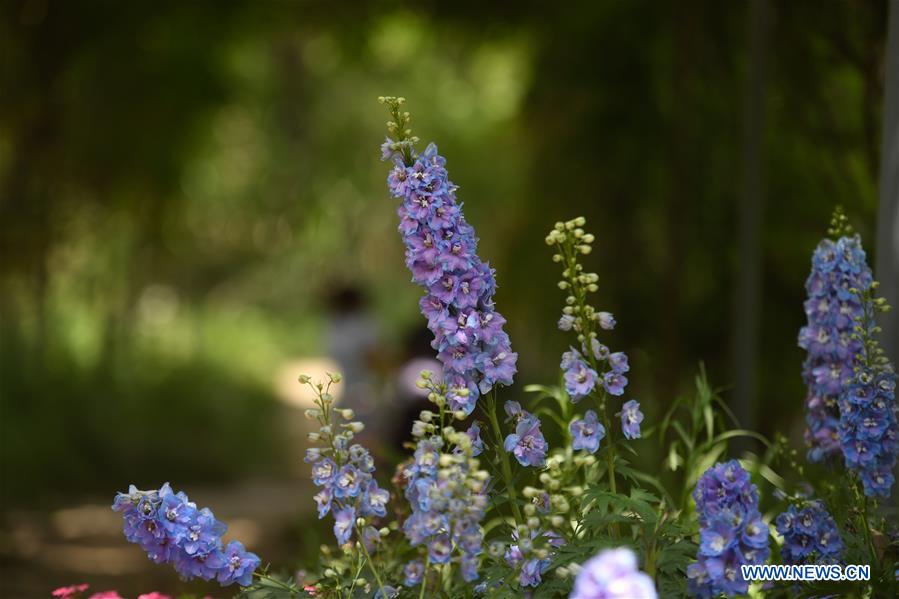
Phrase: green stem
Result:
[424,576]
[867,529]
[504,459]
[279,583]
[371,563]
[610,454]
[580,294]
[355,577]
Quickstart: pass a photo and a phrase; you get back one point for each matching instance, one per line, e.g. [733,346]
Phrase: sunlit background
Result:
[193,212]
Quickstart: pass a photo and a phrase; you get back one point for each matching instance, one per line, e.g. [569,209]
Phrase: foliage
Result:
[555,509]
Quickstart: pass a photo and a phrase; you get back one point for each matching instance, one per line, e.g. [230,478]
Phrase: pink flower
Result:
[153,595]
[106,595]
[69,592]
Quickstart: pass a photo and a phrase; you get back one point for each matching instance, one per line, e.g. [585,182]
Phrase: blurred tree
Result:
[180,186]
[750,205]
[887,270]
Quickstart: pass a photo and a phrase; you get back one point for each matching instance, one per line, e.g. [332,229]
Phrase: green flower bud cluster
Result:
[866,330]
[400,138]
[549,513]
[334,424]
[571,242]
[839,224]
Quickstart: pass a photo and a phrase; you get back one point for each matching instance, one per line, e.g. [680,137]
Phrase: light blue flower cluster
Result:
[441,253]
[344,470]
[838,267]
[170,528]
[868,428]
[732,532]
[527,443]
[810,535]
[530,554]
[447,493]
[581,379]
[613,574]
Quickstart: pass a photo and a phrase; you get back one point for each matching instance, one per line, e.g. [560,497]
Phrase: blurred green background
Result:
[184,185]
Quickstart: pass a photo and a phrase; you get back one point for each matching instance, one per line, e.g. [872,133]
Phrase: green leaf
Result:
[674,459]
[739,432]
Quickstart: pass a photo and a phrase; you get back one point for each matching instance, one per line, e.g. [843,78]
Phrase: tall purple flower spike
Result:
[837,267]
[441,253]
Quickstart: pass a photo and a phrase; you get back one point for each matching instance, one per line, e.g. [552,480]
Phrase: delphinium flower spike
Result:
[732,532]
[868,426]
[590,369]
[171,529]
[446,489]
[838,266]
[441,253]
[345,472]
[592,363]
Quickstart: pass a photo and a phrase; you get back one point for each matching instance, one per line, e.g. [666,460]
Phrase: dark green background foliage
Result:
[182,184]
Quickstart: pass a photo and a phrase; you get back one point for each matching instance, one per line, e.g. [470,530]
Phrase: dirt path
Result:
[83,542]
